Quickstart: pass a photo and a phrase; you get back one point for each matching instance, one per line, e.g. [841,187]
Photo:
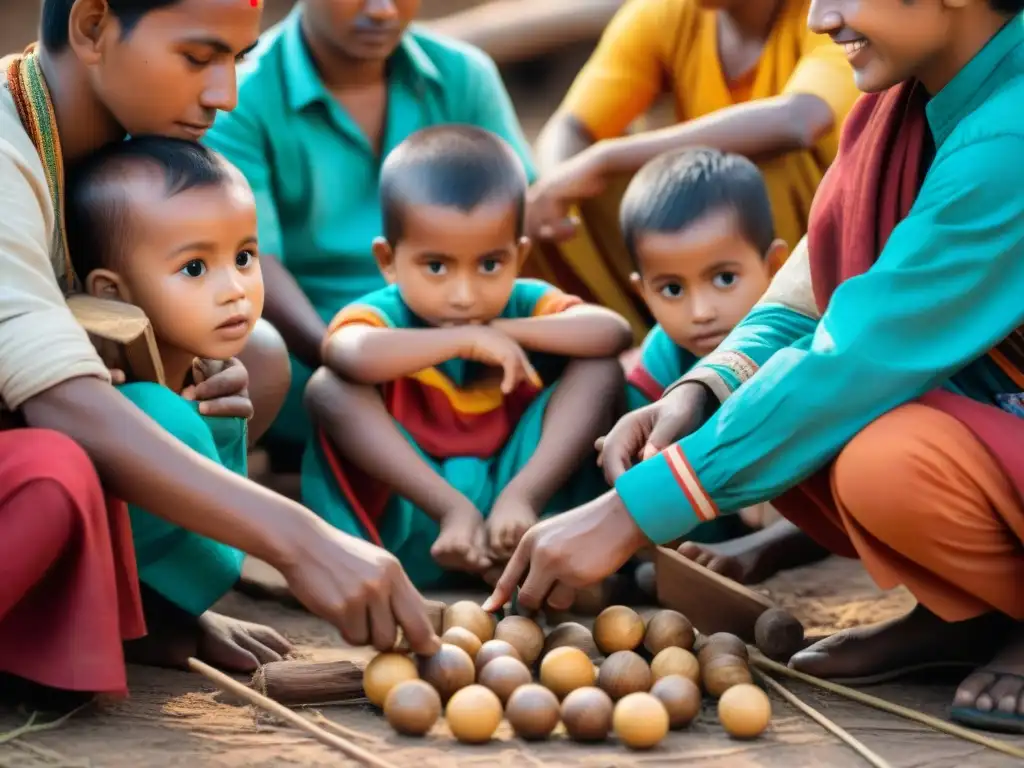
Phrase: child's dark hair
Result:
[97,217]
[676,189]
[451,166]
[57,16]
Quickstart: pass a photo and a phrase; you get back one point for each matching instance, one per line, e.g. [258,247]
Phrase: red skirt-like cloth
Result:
[69,593]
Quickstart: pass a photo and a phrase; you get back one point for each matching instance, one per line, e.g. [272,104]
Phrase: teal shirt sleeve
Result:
[526,293]
[241,137]
[661,362]
[486,104]
[945,290]
[387,304]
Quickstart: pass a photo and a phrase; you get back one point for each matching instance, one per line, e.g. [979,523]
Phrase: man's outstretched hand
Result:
[568,552]
[362,590]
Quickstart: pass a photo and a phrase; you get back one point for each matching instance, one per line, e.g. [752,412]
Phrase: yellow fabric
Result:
[656,46]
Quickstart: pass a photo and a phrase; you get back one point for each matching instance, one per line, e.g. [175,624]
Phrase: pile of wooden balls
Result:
[484,671]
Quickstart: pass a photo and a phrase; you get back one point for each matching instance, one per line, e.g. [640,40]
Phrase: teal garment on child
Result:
[661,363]
[461,425]
[189,570]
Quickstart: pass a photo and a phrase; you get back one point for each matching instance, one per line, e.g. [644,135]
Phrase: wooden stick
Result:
[951,729]
[236,688]
[824,722]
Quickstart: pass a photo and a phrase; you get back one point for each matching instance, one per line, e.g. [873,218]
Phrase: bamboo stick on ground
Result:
[830,726]
[764,663]
[236,688]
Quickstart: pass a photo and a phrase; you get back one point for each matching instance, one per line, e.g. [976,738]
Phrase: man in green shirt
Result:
[322,100]
[875,393]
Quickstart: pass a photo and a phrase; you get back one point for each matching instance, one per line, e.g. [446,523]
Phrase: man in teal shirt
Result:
[888,393]
[322,100]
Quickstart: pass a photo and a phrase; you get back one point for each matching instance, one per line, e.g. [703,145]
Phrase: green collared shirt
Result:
[314,172]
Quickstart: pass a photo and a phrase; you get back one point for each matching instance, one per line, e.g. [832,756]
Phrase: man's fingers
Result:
[561,597]
[117,376]
[536,587]
[599,443]
[227,406]
[383,631]
[354,623]
[668,427]
[510,577]
[411,614]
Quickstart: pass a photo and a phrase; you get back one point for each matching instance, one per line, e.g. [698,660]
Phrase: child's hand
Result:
[221,387]
[460,545]
[492,347]
[511,517]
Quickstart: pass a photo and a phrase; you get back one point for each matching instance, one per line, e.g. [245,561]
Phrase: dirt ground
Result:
[178,719]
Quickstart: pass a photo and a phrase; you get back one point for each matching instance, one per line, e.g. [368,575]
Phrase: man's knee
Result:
[884,477]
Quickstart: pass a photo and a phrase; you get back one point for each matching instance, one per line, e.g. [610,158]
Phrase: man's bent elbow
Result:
[810,119]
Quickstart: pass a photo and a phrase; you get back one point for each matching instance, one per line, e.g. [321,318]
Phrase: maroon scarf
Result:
[883,155]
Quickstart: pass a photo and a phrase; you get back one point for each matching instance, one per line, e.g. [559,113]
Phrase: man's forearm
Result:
[562,138]
[290,312]
[145,466]
[755,129]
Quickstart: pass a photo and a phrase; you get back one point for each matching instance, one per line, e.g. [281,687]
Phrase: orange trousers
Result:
[924,503]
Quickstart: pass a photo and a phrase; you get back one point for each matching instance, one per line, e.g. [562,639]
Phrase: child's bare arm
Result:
[369,355]
[358,424]
[579,332]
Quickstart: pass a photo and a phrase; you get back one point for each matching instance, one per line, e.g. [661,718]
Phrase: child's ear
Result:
[105,284]
[776,256]
[90,25]
[523,248]
[637,283]
[385,257]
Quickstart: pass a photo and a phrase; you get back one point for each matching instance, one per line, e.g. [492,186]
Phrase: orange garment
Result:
[654,46]
[923,503]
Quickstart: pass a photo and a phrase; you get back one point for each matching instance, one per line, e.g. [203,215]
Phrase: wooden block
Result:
[121,334]
[712,602]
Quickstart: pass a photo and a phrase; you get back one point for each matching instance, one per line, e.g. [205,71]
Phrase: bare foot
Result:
[175,636]
[753,558]
[916,641]
[998,687]
[461,545]
[510,518]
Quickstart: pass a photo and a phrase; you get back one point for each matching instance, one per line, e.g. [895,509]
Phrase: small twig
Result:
[267,704]
[951,729]
[31,727]
[824,722]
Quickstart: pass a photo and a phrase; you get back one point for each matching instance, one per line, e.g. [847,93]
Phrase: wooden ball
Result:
[680,697]
[675,661]
[640,721]
[565,669]
[463,638]
[469,615]
[503,675]
[384,672]
[722,643]
[494,649]
[668,629]
[618,628]
[623,673]
[778,635]
[523,634]
[587,714]
[532,711]
[744,711]
[646,579]
[574,635]
[723,672]
[448,670]
[412,707]
[473,714]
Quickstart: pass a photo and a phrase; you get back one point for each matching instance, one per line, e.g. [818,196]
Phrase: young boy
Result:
[458,404]
[171,227]
[698,226]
